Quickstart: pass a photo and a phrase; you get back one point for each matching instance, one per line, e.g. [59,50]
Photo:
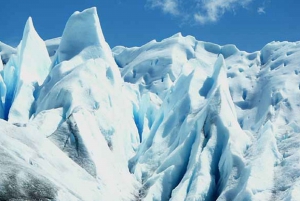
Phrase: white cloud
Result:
[201,11]
[201,19]
[167,6]
[213,10]
[261,10]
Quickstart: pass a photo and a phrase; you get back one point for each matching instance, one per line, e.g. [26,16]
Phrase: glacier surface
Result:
[177,119]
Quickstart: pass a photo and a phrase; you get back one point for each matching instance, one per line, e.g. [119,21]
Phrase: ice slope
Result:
[33,168]
[178,119]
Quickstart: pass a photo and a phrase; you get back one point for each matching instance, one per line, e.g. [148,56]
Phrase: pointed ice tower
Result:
[85,83]
[33,56]
[83,36]
[80,33]
[24,73]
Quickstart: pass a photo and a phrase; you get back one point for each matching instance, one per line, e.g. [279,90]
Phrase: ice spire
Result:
[34,61]
[83,38]
[82,30]
[29,70]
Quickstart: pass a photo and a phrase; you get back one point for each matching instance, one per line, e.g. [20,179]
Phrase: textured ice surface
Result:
[23,74]
[235,140]
[5,52]
[52,46]
[178,119]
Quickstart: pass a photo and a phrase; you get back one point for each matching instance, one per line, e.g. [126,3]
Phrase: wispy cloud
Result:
[167,6]
[213,10]
[261,10]
[200,11]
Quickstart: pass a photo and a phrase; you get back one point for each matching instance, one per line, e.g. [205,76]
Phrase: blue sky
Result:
[249,24]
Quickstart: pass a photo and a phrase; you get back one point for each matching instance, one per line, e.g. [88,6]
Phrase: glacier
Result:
[177,119]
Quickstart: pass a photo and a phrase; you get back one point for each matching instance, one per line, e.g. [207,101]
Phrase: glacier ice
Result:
[1,65]
[33,168]
[177,119]
[5,52]
[52,46]
[24,74]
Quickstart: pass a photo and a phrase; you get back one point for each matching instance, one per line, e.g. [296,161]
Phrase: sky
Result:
[249,24]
